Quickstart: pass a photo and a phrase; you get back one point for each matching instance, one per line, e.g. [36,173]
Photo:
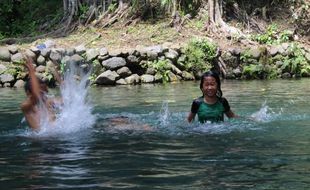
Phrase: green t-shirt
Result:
[210,112]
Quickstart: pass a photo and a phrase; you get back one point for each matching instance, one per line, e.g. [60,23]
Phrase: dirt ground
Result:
[123,39]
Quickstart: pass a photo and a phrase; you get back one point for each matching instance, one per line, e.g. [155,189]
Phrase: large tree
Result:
[215,21]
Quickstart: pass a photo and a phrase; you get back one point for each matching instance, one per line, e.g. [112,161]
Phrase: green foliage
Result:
[199,24]
[295,62]
[285,36]
[245,56]
[95,62]
[47,75]
[161,67]
[92,77]
[96,68]
[251,71]
[14,70]
[112,7]
[199,55]
[83,9]
[6,9]
[2,36]
[183,6]
[26,17]
[62,67]
[305,71]
[166,2]
[273,35]
[259,71]
[262,69]
[269,36]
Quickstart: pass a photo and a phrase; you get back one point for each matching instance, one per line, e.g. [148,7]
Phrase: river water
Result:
[153,147]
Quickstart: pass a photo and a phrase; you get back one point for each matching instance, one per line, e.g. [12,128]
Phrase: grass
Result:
[121,39]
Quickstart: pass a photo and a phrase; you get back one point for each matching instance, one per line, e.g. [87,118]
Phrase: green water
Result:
[269,153]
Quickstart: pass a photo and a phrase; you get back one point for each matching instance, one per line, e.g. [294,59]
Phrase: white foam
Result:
[164,114]
[265,114]
[75,113]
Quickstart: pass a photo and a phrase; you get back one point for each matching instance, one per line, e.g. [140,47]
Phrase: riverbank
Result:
[149,53]
[161,63]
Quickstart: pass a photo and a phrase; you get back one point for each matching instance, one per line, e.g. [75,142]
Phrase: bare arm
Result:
[30,113]
[191,117]
[231,114]
[35,86]
[27,105]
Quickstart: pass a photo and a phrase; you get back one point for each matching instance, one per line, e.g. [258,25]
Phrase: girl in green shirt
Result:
[211,106]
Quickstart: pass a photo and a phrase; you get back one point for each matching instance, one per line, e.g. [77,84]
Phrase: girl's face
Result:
[209,87]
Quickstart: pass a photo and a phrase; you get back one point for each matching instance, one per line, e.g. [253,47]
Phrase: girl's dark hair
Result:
[217,79]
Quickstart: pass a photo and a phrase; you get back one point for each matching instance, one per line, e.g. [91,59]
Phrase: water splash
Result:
[211,128]
[75,112]
[266,114]
[164,114]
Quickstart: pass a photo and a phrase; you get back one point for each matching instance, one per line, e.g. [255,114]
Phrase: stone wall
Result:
[133,67]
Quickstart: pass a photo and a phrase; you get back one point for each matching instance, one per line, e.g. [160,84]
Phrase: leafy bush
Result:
[295,62]
[199,55]
[95,70]
[15,70]
[161,67]
[245,56]
[254,69]
[259,71]
[20,18]
[273,36]
[305,71]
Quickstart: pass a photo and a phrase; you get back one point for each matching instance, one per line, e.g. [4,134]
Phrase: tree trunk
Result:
[215,12]
[123,4]
[218,27]
[174,10]
[65,7]
[216,22]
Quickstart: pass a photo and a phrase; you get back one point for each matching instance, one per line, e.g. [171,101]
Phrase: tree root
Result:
[91,15]
[108,18]
[119,14]
[220,64]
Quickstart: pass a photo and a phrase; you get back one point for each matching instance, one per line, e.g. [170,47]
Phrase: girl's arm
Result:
[231,114]
[191,117]
[35,86]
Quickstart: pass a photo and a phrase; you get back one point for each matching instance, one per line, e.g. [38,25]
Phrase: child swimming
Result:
[37,103]
[210,107]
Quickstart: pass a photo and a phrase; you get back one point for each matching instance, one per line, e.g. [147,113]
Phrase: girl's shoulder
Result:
[198,100]
[225,103]
[222,99]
